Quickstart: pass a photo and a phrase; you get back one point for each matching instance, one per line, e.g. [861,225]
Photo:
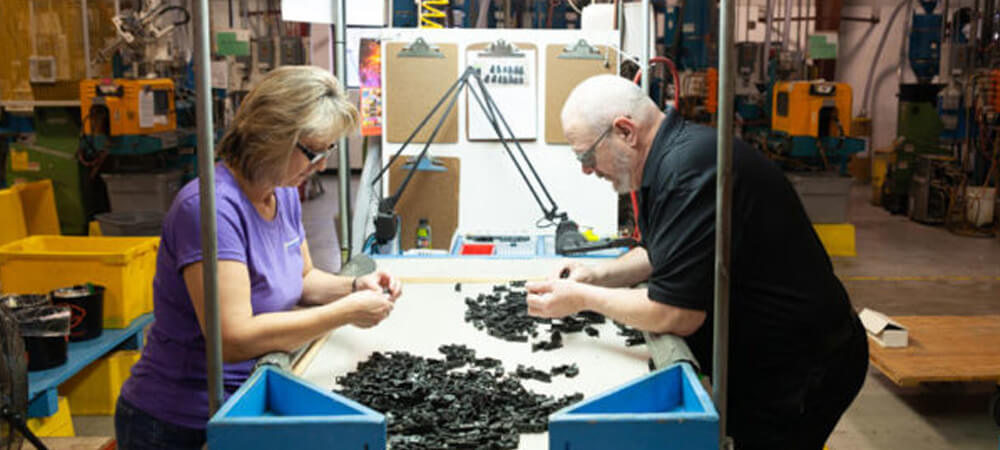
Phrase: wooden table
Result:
[942,348]
[79,443]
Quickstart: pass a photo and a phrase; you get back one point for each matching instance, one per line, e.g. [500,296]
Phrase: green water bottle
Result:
[423,234]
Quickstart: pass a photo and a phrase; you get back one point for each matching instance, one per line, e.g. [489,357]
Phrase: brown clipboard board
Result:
[562,75]
[430,195]
[413,85]
[471,102]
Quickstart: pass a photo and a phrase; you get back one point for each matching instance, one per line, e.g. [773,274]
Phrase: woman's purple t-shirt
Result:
[169,381]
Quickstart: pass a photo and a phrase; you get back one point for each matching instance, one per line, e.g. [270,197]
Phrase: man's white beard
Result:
[623,173]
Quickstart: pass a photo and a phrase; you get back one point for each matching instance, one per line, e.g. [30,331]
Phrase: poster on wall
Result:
[370,76]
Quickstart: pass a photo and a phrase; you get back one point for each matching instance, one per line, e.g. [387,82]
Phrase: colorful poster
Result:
[370,71]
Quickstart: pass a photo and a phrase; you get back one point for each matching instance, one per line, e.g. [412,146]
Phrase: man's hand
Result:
[554,299]
[366,308]
[574,270]
[380,281]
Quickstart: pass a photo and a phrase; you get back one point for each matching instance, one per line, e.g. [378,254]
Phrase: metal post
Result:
[798,26]
[786,30]
[85,19]
[644,64]
[900,71]
[723,200]
[620,22]
[767,37]
[344,165]
[206,194]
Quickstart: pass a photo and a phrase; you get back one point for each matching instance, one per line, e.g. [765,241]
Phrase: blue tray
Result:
[666,410]
[274,409]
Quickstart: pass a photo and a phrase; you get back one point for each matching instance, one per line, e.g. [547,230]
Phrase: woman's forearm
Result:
[280,331]
[319,287]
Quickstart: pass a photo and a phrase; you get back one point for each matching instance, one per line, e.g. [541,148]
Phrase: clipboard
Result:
[566,65]
[415,79]
[517,96]
[432,194]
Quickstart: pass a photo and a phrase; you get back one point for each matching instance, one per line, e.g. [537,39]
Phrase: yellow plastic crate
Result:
[123,265]
[94,390]
[12,226]
[59,424]
[38,202]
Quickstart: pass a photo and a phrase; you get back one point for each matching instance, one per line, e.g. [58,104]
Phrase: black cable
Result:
[187,14]
[489,99]
[417,130]
[490,112]
[391,201]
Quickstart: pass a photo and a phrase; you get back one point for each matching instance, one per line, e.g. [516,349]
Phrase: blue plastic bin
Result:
[665,410]
[275,409]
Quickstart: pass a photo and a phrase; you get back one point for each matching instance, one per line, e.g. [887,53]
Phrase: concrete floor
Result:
[934,263]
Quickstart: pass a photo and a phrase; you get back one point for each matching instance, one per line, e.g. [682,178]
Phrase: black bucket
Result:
[45,352]
[45,331]
[87,303]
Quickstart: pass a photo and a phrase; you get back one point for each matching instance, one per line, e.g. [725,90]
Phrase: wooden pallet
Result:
[942,348]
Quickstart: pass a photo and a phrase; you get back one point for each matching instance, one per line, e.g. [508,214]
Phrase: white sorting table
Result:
[430,314]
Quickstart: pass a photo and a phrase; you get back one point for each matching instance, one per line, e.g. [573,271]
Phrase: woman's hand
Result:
[366,308]
[380,281]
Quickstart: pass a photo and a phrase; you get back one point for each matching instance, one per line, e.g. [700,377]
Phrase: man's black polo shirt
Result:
[787,306]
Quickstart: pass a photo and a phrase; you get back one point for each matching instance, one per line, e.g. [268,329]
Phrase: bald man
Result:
[798,354]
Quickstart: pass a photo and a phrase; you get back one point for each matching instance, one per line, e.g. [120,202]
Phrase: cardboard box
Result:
[885,331]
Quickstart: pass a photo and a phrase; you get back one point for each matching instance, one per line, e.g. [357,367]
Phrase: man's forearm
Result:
[633,307]
[627,270]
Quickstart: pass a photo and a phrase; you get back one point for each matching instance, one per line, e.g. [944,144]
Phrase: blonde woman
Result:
[283,132]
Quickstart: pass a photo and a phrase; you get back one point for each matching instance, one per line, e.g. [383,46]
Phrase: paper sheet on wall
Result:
[365,13]
[312,11]
[512,82]
[146,104]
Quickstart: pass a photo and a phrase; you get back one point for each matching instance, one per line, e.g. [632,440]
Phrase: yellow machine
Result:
[811,108]
[123,107]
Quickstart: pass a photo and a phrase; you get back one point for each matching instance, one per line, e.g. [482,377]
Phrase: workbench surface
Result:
[942,348]
[431,314]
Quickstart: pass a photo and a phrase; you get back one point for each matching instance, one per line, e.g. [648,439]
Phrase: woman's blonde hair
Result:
[288,104]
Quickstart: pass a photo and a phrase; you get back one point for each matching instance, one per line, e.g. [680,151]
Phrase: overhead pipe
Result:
[723,213]
[872,19]
[206,195]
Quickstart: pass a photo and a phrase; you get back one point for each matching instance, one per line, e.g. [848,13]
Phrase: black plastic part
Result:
[457,402]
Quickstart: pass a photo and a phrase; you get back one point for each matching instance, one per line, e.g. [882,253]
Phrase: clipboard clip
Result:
[501,49]
[580,50]
[426,164]
[419,48]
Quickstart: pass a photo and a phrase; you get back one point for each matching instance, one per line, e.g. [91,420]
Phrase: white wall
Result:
[492,194]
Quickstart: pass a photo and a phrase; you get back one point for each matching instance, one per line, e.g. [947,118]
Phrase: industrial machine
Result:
[141,37]
[128,116]
[930,189]
[810,124]
[944,165]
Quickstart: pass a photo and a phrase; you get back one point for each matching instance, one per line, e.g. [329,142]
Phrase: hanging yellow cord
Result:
[432,14]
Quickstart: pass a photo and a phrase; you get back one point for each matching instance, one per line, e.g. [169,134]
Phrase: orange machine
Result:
[803,108]
[122,107]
